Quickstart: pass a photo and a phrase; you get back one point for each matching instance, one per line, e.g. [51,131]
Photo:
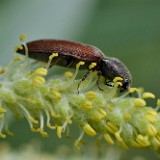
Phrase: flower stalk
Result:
[55,103]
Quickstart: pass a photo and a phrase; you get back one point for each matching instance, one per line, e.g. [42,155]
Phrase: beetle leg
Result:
[84,77]
[97,82]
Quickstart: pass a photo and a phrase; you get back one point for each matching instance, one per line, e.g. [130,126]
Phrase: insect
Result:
[70,53]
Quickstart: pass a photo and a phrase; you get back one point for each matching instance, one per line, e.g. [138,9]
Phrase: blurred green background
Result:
[126,29]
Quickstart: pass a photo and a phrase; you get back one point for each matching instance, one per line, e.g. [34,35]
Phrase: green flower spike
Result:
[54,103]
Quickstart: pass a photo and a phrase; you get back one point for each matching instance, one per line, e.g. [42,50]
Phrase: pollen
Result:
[17,58]
[2,110]
[102,112]
[131,90]
[8,132]
[2,135]
[108,138]
[90,95]
[142,141]
[87,105]
[32,101]
[127,116]
[139,102]
[89,130]
[138,90]
[53,55]
[38,80]
[116,79]
[110,127]
[158,102]
[80,63]
[2,70]
[148,95]
[50,126]
[59,131]
[68,75]
[22,37]
[41,71]
[97,116]
[149,117]
[118,137]
[57,95]
[43,133]
[18,48]
[32,120]
[92,65]
[151,130]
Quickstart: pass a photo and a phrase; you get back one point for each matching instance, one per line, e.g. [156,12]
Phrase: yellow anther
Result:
[57,95]
[54,115]
[116,79]
[118,137]
[68,120]
[22,37]
[139,90]
[2,135]
[89,130]
[2,70]
[97,116]
[33,120]
[2,110]
[17,58]
[102,111]
[53,55]
[50,126]
[119,83]
[80,64]
[139,102]
[35,129]
[112,128]
[143,141]
[31,101]
[41,71]
[136,144]
[151,130]
[127,116]
[158,102]
[43,133]
[148,95]
[8,132]
[92,65]
[87,105]
[68,74]
[38,80]
[150,118]
[156,142]
[152,112]
[124,144]
[108,138]
[18,48]
[131,90]
[59,131]
[91,95]
[158,137]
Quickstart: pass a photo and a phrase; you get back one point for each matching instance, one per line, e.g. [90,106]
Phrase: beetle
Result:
[70,53]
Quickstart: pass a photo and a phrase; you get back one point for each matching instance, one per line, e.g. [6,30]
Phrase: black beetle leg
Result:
[84,77]
[97,82]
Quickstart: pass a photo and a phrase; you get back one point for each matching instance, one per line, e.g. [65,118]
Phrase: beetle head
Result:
[112,67]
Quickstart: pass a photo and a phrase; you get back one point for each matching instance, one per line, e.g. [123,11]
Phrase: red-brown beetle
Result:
[70,53]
